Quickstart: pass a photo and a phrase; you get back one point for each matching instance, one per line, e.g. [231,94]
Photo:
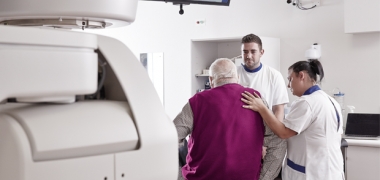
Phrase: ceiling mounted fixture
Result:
[299,4]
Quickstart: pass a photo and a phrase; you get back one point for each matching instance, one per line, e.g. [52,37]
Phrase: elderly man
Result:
[226,140]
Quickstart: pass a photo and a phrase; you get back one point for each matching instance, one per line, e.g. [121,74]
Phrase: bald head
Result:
[223,71]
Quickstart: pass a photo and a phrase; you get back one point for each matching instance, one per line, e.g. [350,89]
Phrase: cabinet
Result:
[362,159]
[206,51]
[361,16]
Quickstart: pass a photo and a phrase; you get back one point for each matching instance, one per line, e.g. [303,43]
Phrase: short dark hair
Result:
[251,38]
[312,67]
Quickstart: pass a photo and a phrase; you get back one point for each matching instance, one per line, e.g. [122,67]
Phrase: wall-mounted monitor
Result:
[206,2]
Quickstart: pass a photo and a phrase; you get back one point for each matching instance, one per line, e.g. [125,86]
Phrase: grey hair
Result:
[223,71]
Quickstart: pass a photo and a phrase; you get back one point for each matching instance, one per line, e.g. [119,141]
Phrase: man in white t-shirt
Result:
[271,85]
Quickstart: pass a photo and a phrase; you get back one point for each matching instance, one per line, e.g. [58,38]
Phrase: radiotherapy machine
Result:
[75,105]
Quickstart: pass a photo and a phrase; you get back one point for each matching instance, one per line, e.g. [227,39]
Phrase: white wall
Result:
[351,62]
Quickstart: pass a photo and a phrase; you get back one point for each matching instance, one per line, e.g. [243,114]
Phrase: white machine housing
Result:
[50,134]
[94,14]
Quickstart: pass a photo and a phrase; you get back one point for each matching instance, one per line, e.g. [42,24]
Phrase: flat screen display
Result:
[359,124]
[210,2]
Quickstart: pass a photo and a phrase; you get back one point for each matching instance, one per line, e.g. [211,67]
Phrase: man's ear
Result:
[211,83]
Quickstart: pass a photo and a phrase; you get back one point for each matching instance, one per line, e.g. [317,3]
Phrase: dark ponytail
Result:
[312,67]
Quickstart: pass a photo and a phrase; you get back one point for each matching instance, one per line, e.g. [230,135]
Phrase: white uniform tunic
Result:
[314,154]
[268,81]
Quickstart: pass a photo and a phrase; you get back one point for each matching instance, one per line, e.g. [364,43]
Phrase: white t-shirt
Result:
[316,148]
[268,81]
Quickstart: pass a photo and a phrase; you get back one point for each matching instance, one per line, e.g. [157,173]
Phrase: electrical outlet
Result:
[200,22]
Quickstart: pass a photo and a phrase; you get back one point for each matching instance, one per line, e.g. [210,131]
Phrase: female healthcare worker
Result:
[313,127]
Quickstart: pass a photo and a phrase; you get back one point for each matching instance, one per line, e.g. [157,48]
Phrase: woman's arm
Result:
[255,103]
